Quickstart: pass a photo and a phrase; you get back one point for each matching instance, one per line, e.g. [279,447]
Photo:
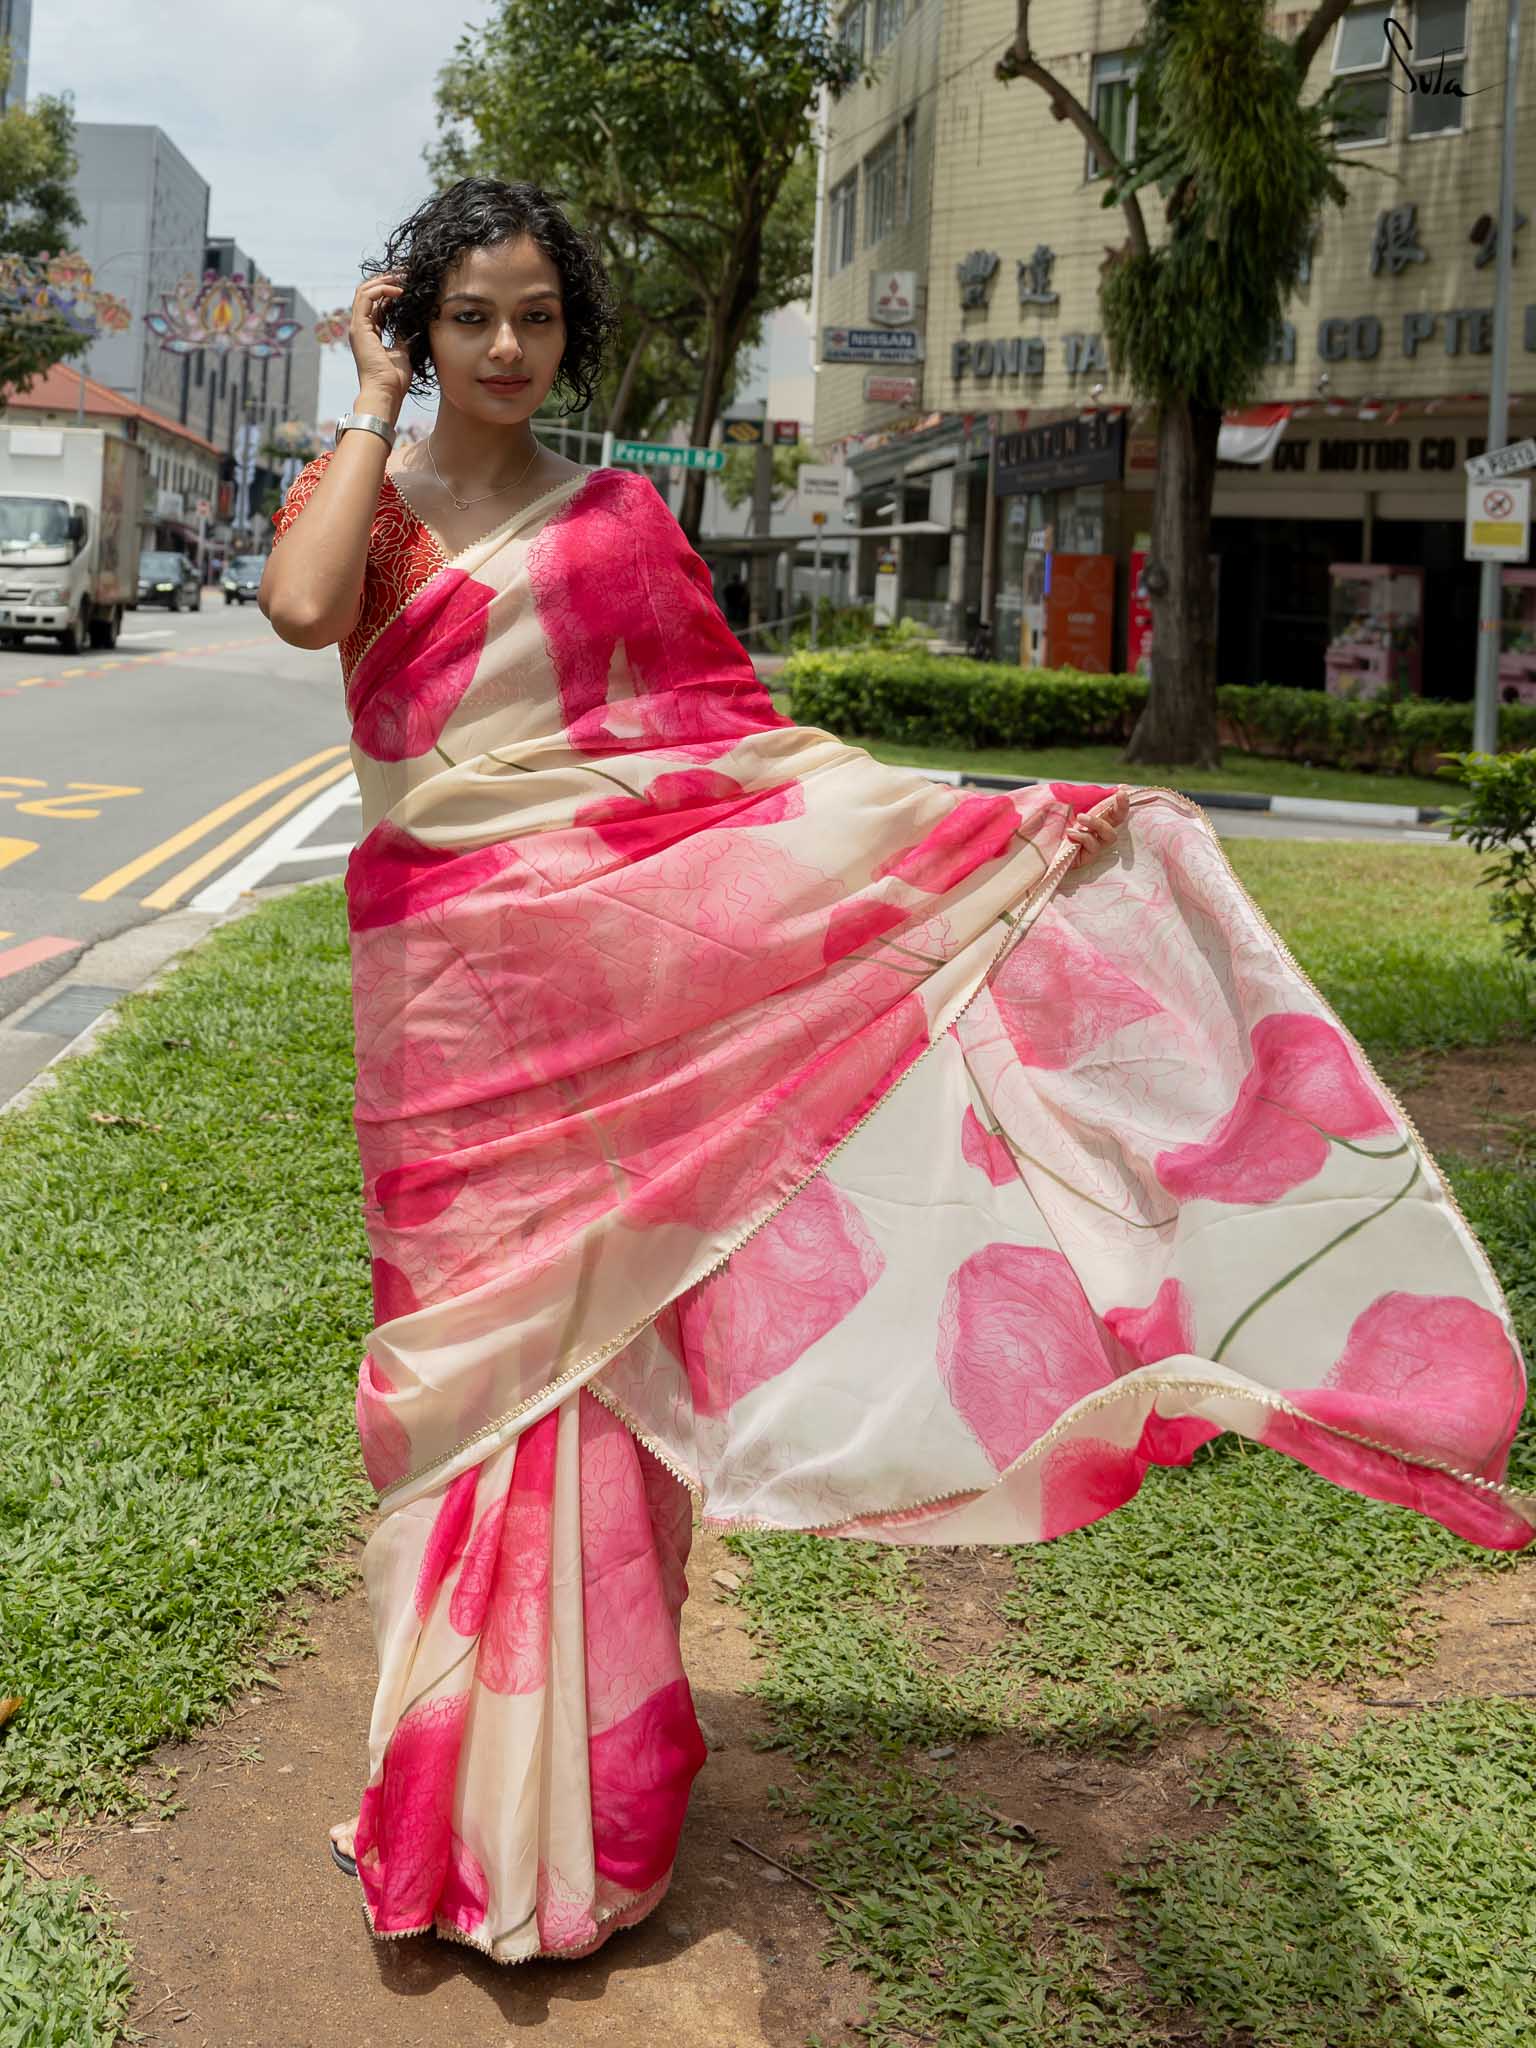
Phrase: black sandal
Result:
[342,1859]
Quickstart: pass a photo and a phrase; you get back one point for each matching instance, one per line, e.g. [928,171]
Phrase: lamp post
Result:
[1485,704]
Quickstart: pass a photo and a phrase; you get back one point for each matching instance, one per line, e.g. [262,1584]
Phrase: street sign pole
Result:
[818,520]
[1485,710]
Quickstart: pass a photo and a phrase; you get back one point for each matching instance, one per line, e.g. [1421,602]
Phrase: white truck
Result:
[71,499]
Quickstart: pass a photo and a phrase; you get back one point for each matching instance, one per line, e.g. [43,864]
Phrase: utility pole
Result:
[1485,709]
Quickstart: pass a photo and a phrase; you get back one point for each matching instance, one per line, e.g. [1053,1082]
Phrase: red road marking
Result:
[14,958]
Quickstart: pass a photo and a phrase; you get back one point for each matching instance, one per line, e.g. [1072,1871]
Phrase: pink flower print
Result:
[983,1148]
[447,1539]
[405,1838]
[1303,1090]
[393,1294]
[975,830]
[1432,1373]
[1084,1480]
[392,875]
[611,571]
[1018,1345]
[786,1287]
[466,1895]
[413,1195]
[385,1446]
[1163,1328]
[859,921]
[502,1594]
[641,1771]
[565,1917]
[1082,796]
[408,685]
[1059,997]
[685,801]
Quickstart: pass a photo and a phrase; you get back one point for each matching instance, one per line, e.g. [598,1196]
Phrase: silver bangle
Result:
[369,420]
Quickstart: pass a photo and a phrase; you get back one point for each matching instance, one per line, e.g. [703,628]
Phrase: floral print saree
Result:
[751,1127]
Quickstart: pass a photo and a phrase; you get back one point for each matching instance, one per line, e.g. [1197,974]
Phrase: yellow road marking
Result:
[109,885]
[72,671]
[26,682]
[218,856]
[14,850]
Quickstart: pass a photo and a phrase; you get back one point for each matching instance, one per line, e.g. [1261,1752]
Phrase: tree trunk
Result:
[625,392]
[1179,723]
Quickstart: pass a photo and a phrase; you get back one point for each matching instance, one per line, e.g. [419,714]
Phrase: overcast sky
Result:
[307,121]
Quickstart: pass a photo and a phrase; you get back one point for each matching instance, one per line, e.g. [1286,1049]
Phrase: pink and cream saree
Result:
[748,1124]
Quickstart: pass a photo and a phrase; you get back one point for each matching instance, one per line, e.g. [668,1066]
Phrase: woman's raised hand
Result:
[1092,831]
[383,374]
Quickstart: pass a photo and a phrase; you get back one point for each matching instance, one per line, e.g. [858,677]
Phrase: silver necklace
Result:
[464,503]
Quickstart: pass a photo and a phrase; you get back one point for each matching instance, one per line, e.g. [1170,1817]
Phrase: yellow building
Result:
[1006,442]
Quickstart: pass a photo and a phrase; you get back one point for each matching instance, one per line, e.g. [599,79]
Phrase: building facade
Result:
[1378,380]
[16,29]
[146,210]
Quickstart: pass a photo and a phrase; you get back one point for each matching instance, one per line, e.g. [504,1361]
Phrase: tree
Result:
[38,211]
[675,128]
[738,478]
[1245,169]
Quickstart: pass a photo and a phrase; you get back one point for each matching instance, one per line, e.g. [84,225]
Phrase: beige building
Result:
[1012,442]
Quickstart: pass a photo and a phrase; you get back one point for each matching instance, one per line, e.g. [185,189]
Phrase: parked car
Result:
[242,579]
[169,579]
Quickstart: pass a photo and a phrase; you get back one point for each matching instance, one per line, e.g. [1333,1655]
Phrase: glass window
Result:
[1367,106]
[850,30]
[880,169]
[1440,28]
[908,163]
[842,204]
[1112,103]
[888,18]
[1440,33]
[1361,41]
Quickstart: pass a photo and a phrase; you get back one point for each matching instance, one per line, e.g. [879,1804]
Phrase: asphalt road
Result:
[199,758]
[133,782]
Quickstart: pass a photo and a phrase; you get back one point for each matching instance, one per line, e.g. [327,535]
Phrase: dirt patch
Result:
[244,1932]
[1477,1103]
[960,1610]
[1485,1648]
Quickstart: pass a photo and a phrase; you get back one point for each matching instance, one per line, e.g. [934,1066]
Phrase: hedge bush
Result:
[1499,817]
[945,700]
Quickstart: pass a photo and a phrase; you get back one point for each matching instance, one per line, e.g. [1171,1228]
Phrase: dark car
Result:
[242,579]
[169,579]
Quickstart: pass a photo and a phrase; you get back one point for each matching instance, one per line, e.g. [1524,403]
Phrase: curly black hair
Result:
[476,213]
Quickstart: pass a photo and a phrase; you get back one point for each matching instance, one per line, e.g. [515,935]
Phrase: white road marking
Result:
[133,639]
[280,846]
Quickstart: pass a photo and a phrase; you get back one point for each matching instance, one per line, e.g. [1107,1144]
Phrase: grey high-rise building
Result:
[146,228]
[16,29]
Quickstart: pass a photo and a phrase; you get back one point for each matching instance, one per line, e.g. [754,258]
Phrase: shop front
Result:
[1343,559]
[921,507]
[1064,526]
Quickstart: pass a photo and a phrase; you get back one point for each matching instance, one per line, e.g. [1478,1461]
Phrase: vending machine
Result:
[1375,619]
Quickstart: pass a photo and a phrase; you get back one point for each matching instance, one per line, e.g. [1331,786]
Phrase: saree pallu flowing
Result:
[752,1126]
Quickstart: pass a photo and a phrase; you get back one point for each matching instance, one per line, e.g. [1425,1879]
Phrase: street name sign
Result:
[1499,521]
[1482,469]
[662,455]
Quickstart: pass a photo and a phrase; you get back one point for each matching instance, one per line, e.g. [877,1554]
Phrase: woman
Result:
[745,1121]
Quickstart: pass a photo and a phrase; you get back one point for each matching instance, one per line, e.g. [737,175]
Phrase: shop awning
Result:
[901,526]
[1250,434]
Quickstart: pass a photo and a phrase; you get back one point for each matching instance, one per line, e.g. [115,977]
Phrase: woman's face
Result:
[499,316]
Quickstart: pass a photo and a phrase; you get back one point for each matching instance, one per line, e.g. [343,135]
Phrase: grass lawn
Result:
[1239,772]
[187,1292]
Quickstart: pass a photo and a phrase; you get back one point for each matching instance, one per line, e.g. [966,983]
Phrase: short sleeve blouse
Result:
[402,556]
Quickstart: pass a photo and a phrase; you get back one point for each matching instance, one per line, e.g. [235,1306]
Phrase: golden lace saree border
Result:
[608,1923]
[1018,921]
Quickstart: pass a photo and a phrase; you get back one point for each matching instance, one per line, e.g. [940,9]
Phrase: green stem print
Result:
[1321,1253]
